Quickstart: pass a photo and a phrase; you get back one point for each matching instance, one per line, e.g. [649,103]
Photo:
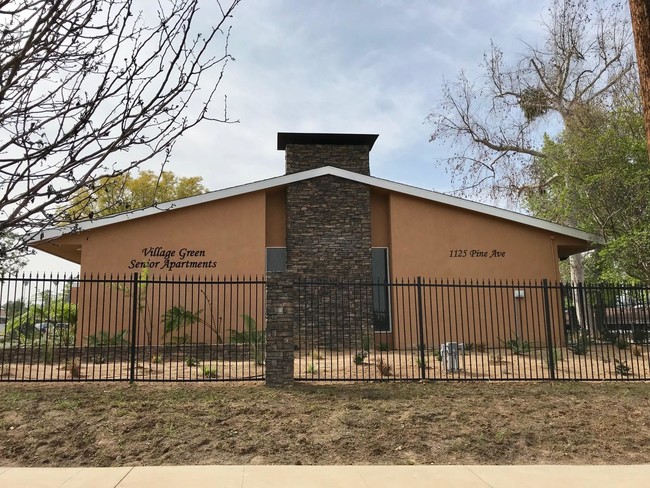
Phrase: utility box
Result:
[450,353]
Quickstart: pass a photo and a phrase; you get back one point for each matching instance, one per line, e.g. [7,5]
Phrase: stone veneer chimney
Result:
[328,218]
[328,236]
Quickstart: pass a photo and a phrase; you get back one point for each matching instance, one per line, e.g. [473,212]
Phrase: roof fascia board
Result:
[468,205]
[215,195]
[315,173]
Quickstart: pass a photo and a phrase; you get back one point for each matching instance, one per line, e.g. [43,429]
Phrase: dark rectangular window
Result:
[276,259]
[380,292]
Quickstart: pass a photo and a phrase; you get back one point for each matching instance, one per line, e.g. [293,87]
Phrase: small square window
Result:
[276,259]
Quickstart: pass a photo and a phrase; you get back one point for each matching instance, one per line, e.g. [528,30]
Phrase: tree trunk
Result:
[577,278]
[640,11]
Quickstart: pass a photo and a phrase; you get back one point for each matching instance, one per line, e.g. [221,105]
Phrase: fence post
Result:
[549,332]
[281,298]
[423,366]
[134,324]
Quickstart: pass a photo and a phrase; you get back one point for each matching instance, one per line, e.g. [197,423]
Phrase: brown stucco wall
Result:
[229,234]
[276,218]
[438,241]
[444,243]
[226,237]
[379,218]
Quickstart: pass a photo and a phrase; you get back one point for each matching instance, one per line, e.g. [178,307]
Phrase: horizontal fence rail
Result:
[131,328]
[432,330]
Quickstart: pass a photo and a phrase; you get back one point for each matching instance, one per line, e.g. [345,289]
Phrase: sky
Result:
[344,66]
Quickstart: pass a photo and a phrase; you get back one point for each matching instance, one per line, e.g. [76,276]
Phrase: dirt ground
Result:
[108,424]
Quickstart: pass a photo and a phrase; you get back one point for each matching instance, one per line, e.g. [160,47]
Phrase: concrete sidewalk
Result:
[328,476]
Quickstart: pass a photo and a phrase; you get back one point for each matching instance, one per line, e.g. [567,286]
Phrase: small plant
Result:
[580,343]
[177,318]
[192,361]
[383,346]
[468,347]
[383,367]
[359,357]
[637,351]
[99,359]
[312,369]
[106,339]
[209,372]
[622,344]
[73,367]
[639,334]
[610,336]
[436,354]
[47,352]
[621,368]
[180,340]
[496,358]
[518,346]
[365,343]
[252,336]
[157,359]
[557,355]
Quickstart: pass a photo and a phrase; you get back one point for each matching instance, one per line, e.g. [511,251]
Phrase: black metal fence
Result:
[144,328]
[409,330]
[132,328]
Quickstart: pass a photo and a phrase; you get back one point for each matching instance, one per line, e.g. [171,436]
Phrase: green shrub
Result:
[518,346]
[104,338]
[580,343]
[621,343]
[621,368]
[610,336]
[359,357]
[192,361]
[177,318]
[209,372]
[383,346]
[639,334]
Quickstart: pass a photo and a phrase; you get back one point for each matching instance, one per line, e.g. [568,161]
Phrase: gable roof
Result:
[279,181]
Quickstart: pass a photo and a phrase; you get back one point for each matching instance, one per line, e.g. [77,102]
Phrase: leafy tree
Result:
[600,175]
[125,192]
[91,89]
[51,306]
[13,308]
[499,123]
[12,259]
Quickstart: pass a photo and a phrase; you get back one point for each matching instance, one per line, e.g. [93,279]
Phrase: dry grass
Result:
[459,423]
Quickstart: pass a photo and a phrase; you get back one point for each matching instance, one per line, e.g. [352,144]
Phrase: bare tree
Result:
[640,12]
[91,89]
[499,123]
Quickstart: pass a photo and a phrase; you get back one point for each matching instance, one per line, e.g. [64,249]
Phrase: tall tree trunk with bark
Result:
[640,11]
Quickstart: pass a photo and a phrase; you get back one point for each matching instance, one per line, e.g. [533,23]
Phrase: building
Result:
[326,217]
[325,214]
